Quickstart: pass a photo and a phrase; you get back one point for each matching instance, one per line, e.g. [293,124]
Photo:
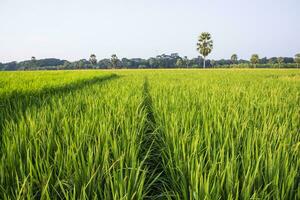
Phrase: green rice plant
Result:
[32,81]
[81,144]
[150,134]
[229,134]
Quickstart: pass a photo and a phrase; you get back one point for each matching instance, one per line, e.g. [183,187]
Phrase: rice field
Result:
[150,134]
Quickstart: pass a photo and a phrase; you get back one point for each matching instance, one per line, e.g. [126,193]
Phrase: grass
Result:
[229,134]
[150,134]
[37,81]
[83,144]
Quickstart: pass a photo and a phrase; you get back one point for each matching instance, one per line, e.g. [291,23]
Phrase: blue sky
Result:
[73,29]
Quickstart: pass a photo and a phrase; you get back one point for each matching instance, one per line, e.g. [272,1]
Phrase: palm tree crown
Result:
[114,60]
[254,59]
[93,59]
[234,58]
[205,45]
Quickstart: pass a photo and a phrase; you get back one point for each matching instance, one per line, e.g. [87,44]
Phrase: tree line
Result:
[204,47]
[161,61]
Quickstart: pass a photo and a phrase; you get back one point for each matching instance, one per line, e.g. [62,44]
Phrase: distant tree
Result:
[280,60]
[264,60]
[272,61]
[104,63]
[93,59]
[204,45]
[142,66]
[288,60]
[186,61]
[33,62]
[11,66]
[213,63]
[174,55]
[197,62]
[179,62]
[297,59]
[234,59]
[66,65]
[254,59]
[114,60]
[1,66]
[153,63]
[81,64]
[49,62]
[125,63]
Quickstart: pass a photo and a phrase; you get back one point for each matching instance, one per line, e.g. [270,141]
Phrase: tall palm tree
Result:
[93,59]
[234,58]
[33,62]
[114,60]
[254,59]
[204,45]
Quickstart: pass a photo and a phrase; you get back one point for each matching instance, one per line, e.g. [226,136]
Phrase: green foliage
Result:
[186,61]
[213,63]
[179,63]
[114,60]
[297,59]
[234,58]
[204,45]
[280,60]
[93,59]
[254,59]
[272,61]
[160,61]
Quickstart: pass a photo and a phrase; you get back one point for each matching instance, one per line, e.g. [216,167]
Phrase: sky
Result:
[74,29]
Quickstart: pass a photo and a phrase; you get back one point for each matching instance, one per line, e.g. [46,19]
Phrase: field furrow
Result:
[152,147]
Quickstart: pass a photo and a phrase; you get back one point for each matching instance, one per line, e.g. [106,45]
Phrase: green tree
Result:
[80,64]
[272,61]
[33,62]
[254,60]
[179,62]
[186,61]
[280,60]
[297,59]
[114,60]
[153,63]
[204,45]
[66,64]
[213,63]
[234,59]
[93,59]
